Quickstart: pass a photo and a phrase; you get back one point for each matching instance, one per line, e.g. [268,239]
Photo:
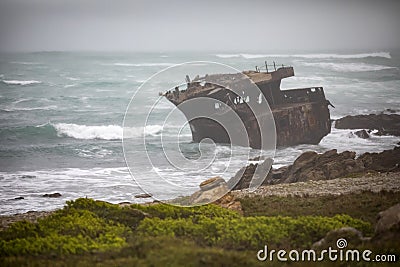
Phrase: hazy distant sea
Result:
[61,116]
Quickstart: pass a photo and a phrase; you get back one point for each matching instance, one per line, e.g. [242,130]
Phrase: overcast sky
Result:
[173,25]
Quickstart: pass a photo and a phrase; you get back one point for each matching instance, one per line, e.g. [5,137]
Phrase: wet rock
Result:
[258,158]
[386,161]
[362,134]
[277,174]
[244,176]
[390,110]
[382,132]
[210,190]
[305,160]
[326,166]
[52,195]
[311,166]
[145,195]
[386,124]
[28,176]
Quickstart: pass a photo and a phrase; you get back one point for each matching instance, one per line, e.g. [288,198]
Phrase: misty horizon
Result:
[179,26]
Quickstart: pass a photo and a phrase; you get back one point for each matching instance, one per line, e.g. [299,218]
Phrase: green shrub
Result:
[86,225]
[20,229]
[128,216]
[64,232]
[169,211]
[250,232]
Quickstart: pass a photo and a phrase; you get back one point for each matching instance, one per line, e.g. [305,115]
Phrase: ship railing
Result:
[309,94]
[270,67]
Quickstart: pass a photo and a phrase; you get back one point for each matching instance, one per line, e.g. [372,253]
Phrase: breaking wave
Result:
[25,63]
[49,130]
[16,82]
[106,132]
[52,107]
[348,67]
[144,64]
[310,56]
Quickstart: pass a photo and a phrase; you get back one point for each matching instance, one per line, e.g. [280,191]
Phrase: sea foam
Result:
[163,64]
[310,56]
[348,67]
[106,132]
[12,109]
[17,82]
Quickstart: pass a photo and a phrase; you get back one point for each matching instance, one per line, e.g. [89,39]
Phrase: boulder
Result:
[52,195]
[326,166]
[388,219]
[26,176]
[386,124]
[388,160]
[387,229]
[362,134]
[210,190]
[212,183]
[389,110]
[245,175]
[313,166]
[144,195]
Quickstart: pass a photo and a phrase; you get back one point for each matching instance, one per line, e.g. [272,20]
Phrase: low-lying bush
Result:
[64,232]
[250,232]
[86,225]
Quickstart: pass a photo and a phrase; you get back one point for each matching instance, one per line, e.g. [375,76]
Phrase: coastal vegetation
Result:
[87,232]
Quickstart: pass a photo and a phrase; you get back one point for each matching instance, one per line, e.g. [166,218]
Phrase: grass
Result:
[364,206]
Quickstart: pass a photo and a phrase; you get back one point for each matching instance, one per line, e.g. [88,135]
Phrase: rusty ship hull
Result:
[301,115]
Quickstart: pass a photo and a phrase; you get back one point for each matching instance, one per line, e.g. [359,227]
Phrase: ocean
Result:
[62,113]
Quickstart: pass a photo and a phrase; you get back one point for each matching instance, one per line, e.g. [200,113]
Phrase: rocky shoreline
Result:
[312,174]
[384,124]
[311,166]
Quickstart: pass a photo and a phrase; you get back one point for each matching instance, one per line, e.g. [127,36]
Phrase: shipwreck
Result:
[301,115]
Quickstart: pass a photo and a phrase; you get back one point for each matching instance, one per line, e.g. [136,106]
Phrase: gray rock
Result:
[211,183]
[210,191]
[384,123]
[388,219]
[326,166]
[25,176]
[53,195]
[145,195]
[362,134]
[388,160]
[311,166]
